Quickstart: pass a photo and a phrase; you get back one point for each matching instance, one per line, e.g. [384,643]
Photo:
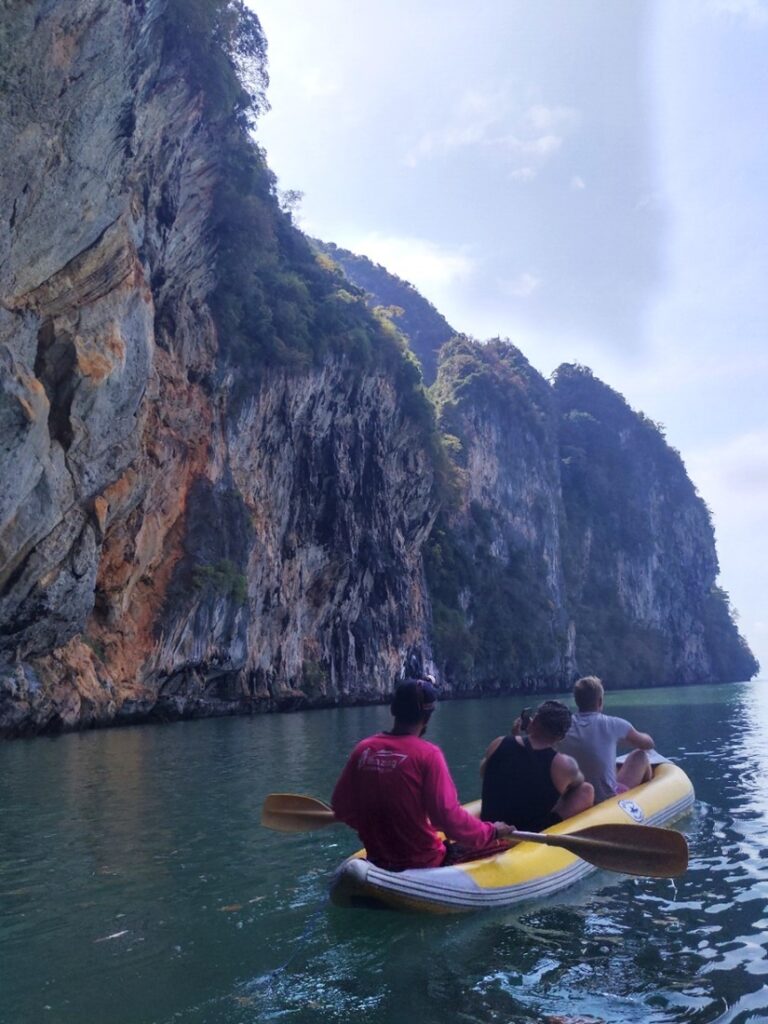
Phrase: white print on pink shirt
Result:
[380,760]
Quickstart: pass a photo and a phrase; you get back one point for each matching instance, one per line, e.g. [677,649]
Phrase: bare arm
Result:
[639,740]
[566,774]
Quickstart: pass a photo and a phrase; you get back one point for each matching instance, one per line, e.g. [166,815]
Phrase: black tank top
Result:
[518,787]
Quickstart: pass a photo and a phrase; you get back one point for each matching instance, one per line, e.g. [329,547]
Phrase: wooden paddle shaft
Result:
[571,839]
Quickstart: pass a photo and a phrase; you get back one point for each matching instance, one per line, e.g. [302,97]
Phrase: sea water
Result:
[137,886]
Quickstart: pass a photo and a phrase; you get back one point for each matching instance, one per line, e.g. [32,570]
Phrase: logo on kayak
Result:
[380,760]
[632,810]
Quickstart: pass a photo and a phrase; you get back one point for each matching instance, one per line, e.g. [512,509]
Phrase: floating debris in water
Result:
[115,935]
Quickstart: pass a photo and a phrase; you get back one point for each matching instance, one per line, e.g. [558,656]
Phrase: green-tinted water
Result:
[137,886]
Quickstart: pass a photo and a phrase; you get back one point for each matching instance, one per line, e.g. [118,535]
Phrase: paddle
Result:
[631,849]
[288,812]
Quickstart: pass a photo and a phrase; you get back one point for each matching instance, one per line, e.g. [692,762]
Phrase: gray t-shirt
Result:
[592,740]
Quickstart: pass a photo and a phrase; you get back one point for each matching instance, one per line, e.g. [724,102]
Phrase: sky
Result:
[584,177]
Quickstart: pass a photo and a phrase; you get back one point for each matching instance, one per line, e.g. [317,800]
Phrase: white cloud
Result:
[427,265]
[522,286]
[470,123]
[539,148]
[577,183]
[754,11]
[523,174]
[552,119]
[490,119]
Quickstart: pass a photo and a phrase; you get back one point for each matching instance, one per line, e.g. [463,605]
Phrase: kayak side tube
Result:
[524,872]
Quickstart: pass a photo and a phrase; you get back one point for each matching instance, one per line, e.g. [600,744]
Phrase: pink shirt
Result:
[395,791]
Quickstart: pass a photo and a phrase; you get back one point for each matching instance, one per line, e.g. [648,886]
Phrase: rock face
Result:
[179,534]
[494,559]
[220,476]
[576,544]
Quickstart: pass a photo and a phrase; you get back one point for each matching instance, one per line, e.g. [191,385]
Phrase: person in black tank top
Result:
[526,782]
[518,778]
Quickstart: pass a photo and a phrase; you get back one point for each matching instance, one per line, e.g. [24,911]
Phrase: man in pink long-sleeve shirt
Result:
[396,791]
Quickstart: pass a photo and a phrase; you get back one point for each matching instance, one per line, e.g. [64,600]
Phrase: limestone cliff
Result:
[571,540]
[494,558]
[216,471]
[576,542]
[639,549]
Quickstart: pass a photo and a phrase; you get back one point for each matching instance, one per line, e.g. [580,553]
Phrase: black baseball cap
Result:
[413,699]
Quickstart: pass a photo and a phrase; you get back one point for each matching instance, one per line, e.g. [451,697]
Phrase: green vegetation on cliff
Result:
[426,329]
[224,50]
[490,378]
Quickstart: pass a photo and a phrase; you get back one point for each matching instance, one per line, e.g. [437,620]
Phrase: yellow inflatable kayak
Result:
[523,872]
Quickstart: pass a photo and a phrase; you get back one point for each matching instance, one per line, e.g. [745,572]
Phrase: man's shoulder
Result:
[375,740]
[415,745]
[615,722]
[426,754]
[564,761]
[426,748]
[589,726]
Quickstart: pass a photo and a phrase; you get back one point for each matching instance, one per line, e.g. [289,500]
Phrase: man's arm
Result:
[639,740]
[576,795]
[566,774]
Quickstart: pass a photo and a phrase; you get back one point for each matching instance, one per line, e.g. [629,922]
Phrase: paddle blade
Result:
[631,849]
[289,812]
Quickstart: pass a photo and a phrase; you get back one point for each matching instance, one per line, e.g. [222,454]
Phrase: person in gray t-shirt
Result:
[592,740]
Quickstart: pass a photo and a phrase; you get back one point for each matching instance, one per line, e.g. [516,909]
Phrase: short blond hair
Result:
[588,692]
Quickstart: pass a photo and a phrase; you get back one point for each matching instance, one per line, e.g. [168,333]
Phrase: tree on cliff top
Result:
[231,73]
